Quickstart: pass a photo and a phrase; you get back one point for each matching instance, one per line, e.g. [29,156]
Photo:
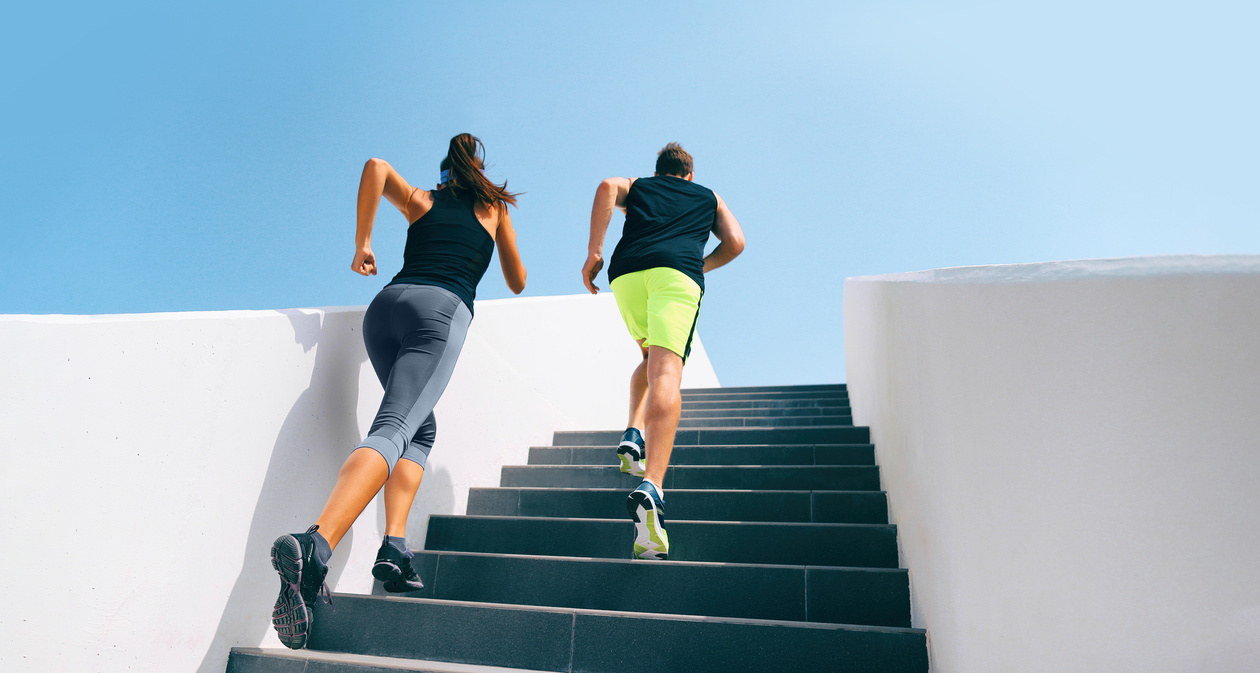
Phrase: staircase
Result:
[781,559]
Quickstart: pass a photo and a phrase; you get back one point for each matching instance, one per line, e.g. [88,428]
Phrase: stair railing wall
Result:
[1070,453]
[151,459]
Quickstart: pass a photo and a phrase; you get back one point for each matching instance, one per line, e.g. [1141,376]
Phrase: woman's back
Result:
[448,246]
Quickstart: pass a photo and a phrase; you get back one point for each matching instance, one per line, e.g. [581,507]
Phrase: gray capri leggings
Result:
[413,335]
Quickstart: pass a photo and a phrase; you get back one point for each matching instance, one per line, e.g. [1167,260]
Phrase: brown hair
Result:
[674,160]
[464,160]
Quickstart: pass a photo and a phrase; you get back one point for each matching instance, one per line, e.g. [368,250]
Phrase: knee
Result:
[427,434]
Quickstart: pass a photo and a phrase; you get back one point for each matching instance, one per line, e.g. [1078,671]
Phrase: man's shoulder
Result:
[672,182]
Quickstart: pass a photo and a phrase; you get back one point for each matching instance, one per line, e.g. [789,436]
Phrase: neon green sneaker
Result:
[646,506]
[632,453]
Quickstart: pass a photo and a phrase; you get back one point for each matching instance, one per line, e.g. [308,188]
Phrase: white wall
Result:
[1072,455]
[150,460]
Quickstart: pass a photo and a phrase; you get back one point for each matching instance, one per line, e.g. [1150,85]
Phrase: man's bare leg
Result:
[638,391]
[664,406]
[630,451]
[645,504]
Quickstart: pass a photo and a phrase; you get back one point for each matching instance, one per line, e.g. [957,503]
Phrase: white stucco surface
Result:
[150,460]
[1072,456]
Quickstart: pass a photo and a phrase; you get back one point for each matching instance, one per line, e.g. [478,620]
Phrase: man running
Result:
[657,275]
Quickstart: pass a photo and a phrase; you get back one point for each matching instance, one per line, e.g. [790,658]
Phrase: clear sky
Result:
[173,157]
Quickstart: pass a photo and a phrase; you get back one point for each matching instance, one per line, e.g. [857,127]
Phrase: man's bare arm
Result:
[610,194]
[729,235]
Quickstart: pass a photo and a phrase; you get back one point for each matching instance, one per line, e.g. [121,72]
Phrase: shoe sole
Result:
[290,617]
[650,540]
[394,579]
[635,467]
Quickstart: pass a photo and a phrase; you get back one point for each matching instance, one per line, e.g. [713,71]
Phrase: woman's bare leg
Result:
[400,492]
[361,478]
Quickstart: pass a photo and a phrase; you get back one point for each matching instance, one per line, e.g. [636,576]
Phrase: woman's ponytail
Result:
[466,171]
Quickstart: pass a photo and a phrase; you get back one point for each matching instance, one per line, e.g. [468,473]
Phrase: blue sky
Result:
[171,158]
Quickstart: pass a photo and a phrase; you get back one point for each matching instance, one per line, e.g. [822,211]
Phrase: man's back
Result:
[668,221]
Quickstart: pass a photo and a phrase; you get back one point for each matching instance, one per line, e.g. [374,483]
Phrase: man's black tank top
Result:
[668,221]
[447,247]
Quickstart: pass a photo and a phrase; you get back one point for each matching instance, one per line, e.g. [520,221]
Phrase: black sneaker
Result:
[301,581]
[393,569]
[632,453]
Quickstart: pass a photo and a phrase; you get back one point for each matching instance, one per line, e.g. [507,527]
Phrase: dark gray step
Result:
[566,639]
[764,404]
[829,544]
[724,436]
[766,413]
[686,505]
[764,454]
[709,397]
[751,477]
[871,596]
[269,660]
[822,387]
[776,422]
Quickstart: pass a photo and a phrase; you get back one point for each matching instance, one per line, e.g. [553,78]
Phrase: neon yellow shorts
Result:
[660,305]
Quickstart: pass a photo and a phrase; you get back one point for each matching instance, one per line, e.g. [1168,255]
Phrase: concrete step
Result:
[686,505]
[746,477]
[724,436]
[567,639]
[827,544]
[763,454]
[872,596]
[766,413]
[824,387]
[710,397]
[276,660]
[764,404]
[760,421]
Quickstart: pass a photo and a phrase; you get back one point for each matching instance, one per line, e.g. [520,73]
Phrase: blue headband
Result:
[445,176]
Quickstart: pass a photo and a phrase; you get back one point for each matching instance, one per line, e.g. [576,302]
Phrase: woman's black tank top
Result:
[447,247]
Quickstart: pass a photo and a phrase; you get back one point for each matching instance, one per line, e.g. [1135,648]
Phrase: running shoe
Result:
[632,453]
[646,506]
[301,581]
[393,569]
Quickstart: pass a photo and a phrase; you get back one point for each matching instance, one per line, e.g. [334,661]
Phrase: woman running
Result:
[413,330]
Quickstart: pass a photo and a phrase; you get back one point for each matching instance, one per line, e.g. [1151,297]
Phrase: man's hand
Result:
[594,263]
[364,262]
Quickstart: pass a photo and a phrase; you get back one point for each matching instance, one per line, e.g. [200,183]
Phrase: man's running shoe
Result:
[632,453]
[393,569]
[647,507]
[301,579]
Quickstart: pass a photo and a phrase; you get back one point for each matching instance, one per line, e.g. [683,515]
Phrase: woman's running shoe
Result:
[632,453]
[393,569]
[301,579]
[646,506]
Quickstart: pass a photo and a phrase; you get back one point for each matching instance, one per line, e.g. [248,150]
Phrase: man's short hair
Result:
[674,160]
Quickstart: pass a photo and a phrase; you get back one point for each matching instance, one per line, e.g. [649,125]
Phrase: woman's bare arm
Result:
[379,179]
[509,257]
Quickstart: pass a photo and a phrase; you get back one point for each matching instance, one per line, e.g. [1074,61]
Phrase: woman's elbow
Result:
[737,244]
[517,285]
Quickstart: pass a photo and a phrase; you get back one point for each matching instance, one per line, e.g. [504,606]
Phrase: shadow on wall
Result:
[314,440]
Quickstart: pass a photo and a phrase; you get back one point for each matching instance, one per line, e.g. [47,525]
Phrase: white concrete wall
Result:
[1072,455]
[150,460]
